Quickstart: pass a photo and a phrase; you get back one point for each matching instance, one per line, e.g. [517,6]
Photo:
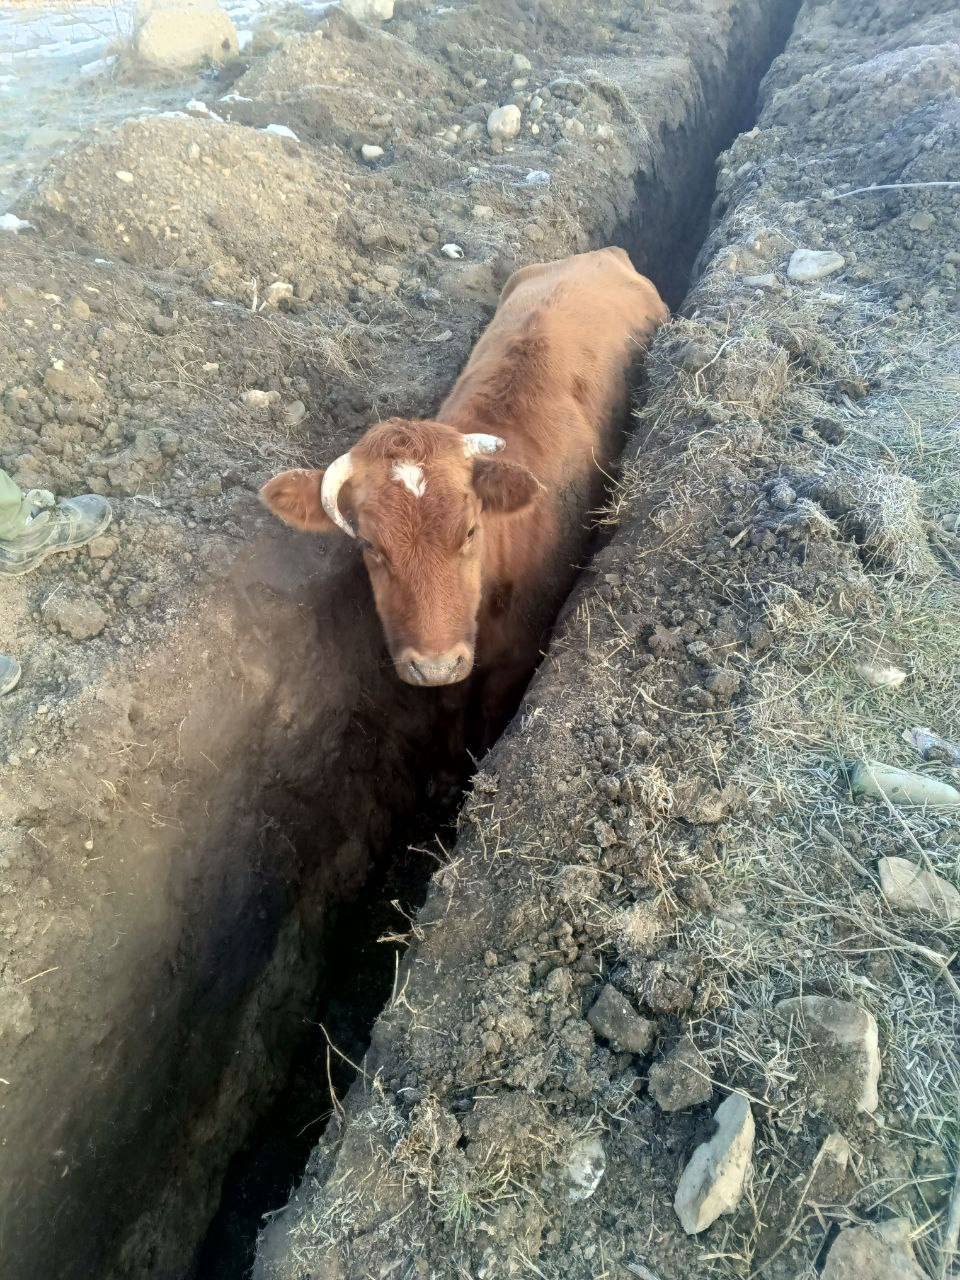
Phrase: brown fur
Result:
[550,377]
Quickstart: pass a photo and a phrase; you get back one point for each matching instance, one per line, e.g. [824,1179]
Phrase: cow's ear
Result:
[504,487]
[294,496]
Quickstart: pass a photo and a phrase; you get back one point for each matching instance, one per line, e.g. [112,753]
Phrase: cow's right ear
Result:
[294,496]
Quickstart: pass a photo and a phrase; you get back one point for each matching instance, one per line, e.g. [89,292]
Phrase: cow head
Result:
[416,496]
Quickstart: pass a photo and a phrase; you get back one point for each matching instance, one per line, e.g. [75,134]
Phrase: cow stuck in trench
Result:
[471,524]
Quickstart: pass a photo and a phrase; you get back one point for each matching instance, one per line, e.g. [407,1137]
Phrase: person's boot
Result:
[9,674]
[53,527]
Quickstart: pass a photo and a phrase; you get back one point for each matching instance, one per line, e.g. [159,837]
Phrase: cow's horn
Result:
[334,478]
[477,442]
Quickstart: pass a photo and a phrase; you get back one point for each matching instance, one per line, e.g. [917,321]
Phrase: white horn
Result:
[477,443]
[334,478]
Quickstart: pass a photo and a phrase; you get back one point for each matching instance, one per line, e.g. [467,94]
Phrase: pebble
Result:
[806,265]
[503,123]
[61,381]
[482,212]
[10,222]
[520,63]
[909,888]
[681,1079]
[901,786]
[279,291]
[102,548]
[843,1054]
[614,1017]
[370,152]
[294,413]
[368,10]
[716,1174]
[586,1165]
[79,309]
[922,222]
[451,251]
[573,128]
[280,131]
[124,175]
[256,399]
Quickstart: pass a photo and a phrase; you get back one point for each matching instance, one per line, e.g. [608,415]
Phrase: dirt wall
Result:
[670,842]
[199,688]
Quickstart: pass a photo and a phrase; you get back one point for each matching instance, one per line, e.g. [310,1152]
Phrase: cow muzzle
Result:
[427,669]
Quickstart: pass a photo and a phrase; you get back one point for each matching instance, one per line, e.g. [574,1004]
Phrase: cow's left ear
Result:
[504,487]
[294,496]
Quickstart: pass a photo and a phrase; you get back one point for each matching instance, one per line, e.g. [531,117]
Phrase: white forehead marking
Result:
[411,476]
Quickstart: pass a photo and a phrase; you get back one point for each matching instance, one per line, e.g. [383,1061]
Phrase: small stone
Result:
[503,123]
[294,413]
[585,1167]
[162,324]
[908,888]
[452,251]
[768,282]
[481,212]
[829,1171]
[922,222]
[124,175]
[279,291]
[881,1251]
[175,34]
[843,1057]
[533,232]
[573,128]
[813,264]
[716,1174]
[79,309]
[520,63]
[102,548]
[76,615]
[370,152]
[614,1018]
[881,675]
[256,399]
[681,1079]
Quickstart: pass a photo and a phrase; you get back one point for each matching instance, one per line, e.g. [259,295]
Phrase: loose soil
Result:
[671,810]
[208,750]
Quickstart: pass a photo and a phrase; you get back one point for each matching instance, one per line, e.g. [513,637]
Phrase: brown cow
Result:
[470,553]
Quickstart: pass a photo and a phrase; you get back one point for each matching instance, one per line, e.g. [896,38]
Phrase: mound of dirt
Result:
[669,816]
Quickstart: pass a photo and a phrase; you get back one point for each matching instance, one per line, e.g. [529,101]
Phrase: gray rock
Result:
[503,123]
[843,1054]
[75,615]
[614,1018]
[807,265]
[716,1174]
[681,1079]
[521,63]
[909,888]
[881,1251]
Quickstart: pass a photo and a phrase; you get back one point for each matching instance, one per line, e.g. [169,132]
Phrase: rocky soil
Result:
[683,1001]
[206,748]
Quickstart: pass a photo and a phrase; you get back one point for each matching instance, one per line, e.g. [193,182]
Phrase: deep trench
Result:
[362,937]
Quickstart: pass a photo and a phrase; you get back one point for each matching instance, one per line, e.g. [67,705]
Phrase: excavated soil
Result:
[208,750]
[672,811]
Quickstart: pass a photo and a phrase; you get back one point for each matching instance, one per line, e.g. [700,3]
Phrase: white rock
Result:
[10,222]
[813,264]
[520,63]
[909,888]
[585,1167]
[256,399]
[124,175]
[881,675]
[716,1173]
[183,33]
[881,1251]
[370,152]
[275,293]
[901,786]
[844,1052]
[451,251]
[368,10]
[504,122]
[280,131]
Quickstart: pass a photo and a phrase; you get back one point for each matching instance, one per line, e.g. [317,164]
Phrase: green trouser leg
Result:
[14,508]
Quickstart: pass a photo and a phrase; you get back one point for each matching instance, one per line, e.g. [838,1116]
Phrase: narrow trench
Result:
[664,234]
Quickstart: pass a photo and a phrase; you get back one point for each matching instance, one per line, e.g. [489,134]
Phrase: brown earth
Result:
[207,748]
[670,812]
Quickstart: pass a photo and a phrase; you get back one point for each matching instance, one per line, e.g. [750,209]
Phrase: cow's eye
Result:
[470,534]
